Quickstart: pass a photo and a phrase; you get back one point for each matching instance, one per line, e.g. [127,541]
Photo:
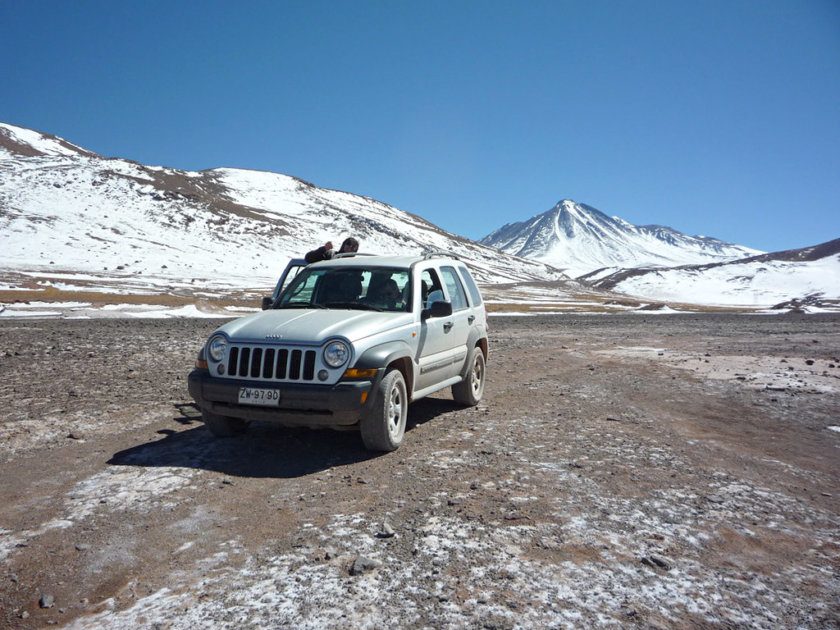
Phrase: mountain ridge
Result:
[579,239]
[64,205]
[72,220]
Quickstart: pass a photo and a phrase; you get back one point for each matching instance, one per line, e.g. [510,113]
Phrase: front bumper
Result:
[300,404]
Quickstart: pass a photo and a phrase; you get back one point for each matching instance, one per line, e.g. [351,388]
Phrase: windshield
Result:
[363,288]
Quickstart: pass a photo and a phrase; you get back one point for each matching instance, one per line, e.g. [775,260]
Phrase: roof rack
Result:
[440,254]
[350,255]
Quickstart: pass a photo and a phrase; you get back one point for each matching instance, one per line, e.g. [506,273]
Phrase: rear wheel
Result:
[384,427]
[223,426]
[469,391]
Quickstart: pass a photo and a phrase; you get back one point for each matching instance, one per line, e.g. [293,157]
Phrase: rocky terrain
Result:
[630,470]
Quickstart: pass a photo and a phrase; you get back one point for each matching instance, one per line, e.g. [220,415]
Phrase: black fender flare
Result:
[385,354]
[474,340]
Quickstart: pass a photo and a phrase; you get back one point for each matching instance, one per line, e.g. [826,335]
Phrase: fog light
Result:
[323,375]
[220,369]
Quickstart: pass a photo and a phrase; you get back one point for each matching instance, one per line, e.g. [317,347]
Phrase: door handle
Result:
[470,319]
[447,327]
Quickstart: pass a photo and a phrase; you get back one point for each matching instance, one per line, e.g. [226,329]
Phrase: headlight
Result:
[336,354]
[217,347]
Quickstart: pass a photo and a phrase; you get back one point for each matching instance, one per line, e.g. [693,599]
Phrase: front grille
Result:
[271,364]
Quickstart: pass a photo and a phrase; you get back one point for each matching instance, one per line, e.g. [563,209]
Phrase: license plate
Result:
[259,396]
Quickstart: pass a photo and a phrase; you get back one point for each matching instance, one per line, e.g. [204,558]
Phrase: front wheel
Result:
[469,391]
[384,427]
[222,426]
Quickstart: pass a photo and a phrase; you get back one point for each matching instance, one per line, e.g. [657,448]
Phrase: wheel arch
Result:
[394,354]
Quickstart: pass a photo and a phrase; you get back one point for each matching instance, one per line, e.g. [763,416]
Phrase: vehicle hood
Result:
[311,326]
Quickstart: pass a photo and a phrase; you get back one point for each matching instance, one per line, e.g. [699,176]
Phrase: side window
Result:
[290,274]
[430,288]
[455,288]
[475,294]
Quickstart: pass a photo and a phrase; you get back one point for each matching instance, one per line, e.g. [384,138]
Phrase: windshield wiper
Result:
[300,305]
[353,306]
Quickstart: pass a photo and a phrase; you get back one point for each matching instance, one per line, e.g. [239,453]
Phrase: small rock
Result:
[361,565]
[24,615]
[656,562]
[386,531]
[82,547]
[46,601]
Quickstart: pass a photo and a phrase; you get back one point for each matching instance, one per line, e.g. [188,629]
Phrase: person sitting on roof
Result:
[325,252]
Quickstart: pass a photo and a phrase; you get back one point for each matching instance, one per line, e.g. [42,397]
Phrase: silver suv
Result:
[348,343]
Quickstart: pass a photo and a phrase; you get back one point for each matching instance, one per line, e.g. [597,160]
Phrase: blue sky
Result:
[715,117]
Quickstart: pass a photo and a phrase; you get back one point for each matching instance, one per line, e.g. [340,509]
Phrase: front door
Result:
[441,350]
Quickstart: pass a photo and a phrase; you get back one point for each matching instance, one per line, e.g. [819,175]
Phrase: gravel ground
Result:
[651,471]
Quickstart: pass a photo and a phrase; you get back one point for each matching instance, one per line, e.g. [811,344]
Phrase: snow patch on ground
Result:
[121,488]
[311,589]
[797,374]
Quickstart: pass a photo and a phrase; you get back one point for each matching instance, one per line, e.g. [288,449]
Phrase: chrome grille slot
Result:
[256,362]
[282,361]
[263,363]
[243,362]
[294,367]
[268,365]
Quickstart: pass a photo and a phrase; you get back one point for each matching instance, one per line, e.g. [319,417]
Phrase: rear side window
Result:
[475,294]
[455,288]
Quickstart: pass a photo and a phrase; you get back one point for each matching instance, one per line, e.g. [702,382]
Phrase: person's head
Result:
[349,246]
[385,293]
[390,290]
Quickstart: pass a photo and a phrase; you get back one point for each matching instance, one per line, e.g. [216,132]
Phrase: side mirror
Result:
[437,309]
[267,302]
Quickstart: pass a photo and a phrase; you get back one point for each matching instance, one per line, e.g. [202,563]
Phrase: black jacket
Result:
[317,255]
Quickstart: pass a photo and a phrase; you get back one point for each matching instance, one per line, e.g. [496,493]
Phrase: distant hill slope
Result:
[64,207]
[807,277]
[579,239]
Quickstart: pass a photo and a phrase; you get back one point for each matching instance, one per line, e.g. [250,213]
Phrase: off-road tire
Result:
[384,427]
[469,391]
[223,426]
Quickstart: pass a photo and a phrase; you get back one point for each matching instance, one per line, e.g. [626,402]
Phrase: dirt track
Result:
[622,471]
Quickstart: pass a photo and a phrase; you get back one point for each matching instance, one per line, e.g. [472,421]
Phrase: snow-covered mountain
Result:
[798,278]
[65,209]
[579,239]
[71,220]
